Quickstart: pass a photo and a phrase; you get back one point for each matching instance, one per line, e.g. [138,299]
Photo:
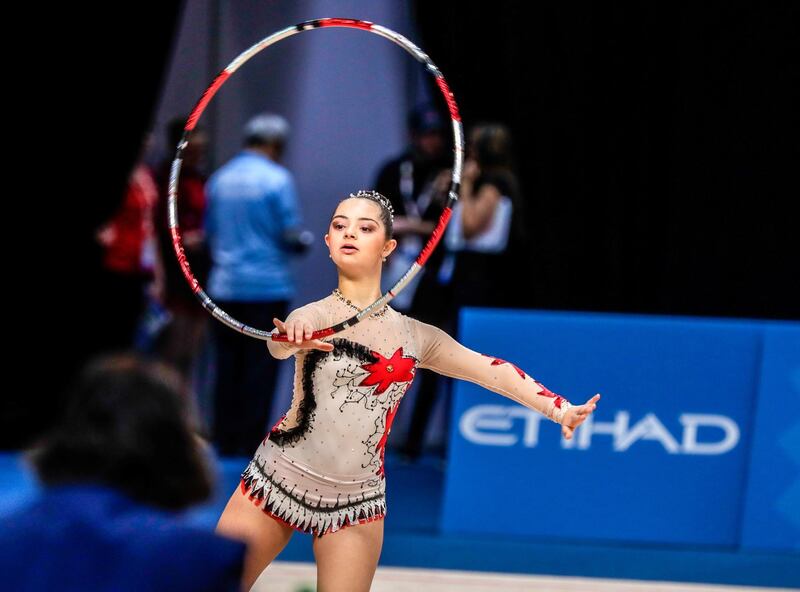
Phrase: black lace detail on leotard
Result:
[345,347]
[305,408]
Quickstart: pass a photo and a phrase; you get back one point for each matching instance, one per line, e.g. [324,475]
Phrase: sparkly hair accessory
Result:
[375,196]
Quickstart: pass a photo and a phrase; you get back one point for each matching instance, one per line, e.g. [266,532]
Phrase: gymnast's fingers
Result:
[291,330]
[281,327]
[309,330]
[298,331]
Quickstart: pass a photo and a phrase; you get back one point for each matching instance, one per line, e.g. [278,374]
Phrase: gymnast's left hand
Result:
[576,415]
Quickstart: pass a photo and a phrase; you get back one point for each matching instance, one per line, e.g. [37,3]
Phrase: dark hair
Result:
[492,145]
[493,150]
[259,142]
[174,132]
[387,211]
[127,426]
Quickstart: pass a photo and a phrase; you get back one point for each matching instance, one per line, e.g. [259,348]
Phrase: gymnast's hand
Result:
[298,332]
[576,415]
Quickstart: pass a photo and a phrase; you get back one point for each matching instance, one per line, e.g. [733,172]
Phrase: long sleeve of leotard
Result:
[314,313]
[443,354]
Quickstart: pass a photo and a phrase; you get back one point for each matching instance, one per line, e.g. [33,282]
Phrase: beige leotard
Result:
[321,467]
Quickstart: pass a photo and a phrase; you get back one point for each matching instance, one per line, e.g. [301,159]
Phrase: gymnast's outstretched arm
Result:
[443,354]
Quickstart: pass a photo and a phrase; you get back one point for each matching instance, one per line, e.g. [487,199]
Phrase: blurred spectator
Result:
[486,236]
[115,474]
[407,181]
[480,250]
[252,224]
[129,253]
[182,338]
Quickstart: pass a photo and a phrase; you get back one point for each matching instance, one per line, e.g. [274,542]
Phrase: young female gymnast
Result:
[319,470]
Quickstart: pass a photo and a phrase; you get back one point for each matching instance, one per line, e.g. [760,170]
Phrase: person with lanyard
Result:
[408,182]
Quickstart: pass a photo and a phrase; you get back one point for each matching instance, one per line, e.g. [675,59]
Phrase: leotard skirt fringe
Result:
[307,500]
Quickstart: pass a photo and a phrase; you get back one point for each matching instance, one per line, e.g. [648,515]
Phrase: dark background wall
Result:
[657,144]
[86,87]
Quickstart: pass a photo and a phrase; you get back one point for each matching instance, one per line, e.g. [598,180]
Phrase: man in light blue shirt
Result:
[253,224]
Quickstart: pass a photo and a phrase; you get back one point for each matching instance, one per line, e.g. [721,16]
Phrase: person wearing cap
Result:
[253,224]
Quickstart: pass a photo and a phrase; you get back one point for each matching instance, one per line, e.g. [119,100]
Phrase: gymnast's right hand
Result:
[298,332]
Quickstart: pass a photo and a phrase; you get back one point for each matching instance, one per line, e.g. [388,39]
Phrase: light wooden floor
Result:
[284,576]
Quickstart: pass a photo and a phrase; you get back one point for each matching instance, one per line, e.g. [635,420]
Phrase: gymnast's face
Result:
[356,236]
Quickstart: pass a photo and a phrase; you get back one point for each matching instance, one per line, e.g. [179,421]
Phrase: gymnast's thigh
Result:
[265,536]
[347,559]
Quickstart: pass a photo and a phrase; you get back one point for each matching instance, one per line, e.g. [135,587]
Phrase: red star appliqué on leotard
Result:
[498,361]
[388,370]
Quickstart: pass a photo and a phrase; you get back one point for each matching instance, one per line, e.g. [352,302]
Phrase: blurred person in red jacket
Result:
[129,252]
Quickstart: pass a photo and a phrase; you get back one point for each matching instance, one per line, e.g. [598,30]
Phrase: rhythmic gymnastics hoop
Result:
[209,93]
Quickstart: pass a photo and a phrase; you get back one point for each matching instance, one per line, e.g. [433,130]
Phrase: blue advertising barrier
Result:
[682,447]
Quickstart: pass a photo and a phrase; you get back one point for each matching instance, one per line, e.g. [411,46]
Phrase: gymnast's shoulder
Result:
[415,324]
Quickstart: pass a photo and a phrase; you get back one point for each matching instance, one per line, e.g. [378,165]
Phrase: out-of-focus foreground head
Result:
[127,425]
